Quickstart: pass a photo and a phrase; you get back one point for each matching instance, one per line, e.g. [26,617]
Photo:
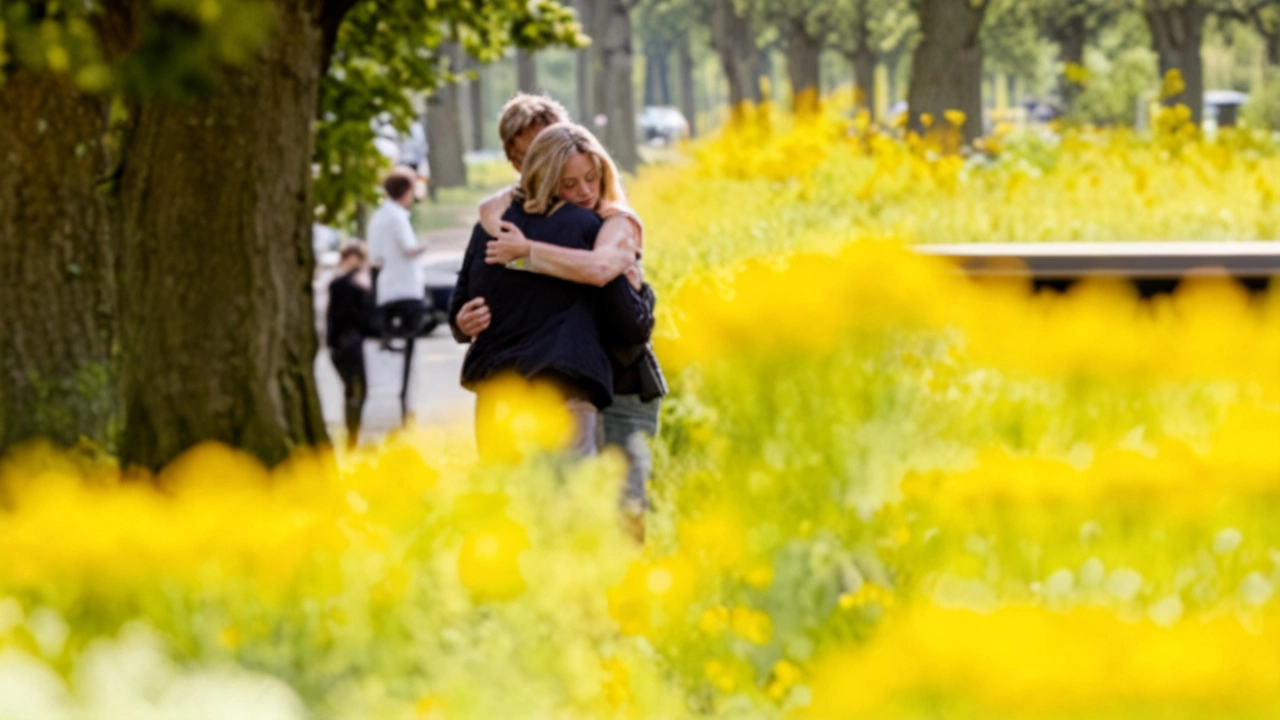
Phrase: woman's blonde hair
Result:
[544,165]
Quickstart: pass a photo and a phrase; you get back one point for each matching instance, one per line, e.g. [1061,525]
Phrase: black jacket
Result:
[543,326]
[635,366]
[349,317]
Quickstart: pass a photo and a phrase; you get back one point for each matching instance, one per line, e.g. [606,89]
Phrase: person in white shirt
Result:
[393,249]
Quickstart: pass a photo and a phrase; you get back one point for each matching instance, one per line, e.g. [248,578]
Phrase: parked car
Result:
[440,276]
[663,125]
[1222,107]
[439,273]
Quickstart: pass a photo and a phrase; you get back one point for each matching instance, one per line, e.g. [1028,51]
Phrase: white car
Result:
[662,125]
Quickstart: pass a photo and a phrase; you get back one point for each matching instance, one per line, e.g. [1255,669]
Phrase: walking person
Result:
[399,290]
[348,323]
[543,328]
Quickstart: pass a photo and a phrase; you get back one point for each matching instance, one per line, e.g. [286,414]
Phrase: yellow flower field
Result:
[882,490]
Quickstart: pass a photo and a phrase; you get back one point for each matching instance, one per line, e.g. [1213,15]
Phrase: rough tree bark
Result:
[734,43]
[216,259]
[614,82]
[1177,32]
[526,71]
[444,128]
[684,54]
[58,310]
[804,53]
[946,71]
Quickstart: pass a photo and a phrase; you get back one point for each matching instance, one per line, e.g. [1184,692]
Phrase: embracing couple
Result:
[551,289]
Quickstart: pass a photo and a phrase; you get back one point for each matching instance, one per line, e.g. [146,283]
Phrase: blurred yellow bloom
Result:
[617,683]
[489,561]
[785,676]
[516,418]
[652,595]
[714,620]
[1173,84]
[753,626]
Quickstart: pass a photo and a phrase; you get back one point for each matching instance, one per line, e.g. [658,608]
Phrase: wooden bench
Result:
[1153,267]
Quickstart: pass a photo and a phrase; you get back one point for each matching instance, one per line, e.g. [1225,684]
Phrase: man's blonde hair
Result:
[544,165]
[525,111]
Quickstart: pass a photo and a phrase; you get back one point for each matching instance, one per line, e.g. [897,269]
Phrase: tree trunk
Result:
[803,65]
[893,73]
[661,82]
[582,63]
[764,65]
[687,105]
[1273,48]
[865,59]
[444,129]
[946,71]
[600,109]
[526,71]
[1072,37]
[652,93]
[216,259]
[734,42]
[864,77]
[1177,31]
[475,97]
[619,106]
[58,323]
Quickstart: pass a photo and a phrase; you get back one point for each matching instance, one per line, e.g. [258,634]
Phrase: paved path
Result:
[435,396]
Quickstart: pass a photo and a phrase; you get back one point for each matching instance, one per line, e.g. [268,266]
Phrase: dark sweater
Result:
[542,327]
[350,312]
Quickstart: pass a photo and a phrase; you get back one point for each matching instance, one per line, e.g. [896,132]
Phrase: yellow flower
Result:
[1076,73]
[760,575]
[957,118]
[516,418]
[429,707]
[785,676]
[720,674]
[714,620]
[652,595]
[752,625]
[489,561]
[617,682]
[1173,85]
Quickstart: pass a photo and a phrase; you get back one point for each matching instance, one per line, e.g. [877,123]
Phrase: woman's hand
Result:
[509,245]
[474,317]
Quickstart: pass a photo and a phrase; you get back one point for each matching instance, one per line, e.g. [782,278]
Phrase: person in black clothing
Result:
[590,180]
[348,324]
[545,328]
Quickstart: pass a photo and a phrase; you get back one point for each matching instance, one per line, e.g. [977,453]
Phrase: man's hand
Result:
[509,244]
[474,317]
[635,275]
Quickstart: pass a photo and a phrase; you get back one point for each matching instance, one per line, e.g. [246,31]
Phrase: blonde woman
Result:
[589,179]
[543,328]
